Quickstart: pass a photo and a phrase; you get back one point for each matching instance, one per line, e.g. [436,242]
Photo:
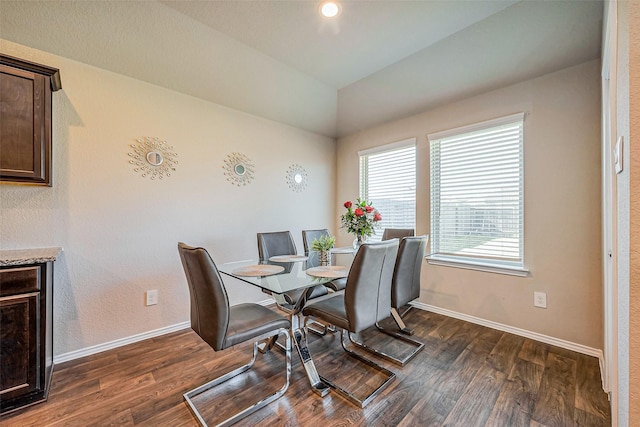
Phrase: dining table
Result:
[283,274]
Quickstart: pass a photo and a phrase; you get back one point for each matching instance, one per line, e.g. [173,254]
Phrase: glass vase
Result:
[358,241]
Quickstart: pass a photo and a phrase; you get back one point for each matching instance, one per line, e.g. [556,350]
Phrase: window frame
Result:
[516,268]
[363,187]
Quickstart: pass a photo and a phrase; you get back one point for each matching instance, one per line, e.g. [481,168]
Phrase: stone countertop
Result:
[28,256]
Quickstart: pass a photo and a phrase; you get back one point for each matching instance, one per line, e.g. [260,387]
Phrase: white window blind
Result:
[477,192]
[388,181]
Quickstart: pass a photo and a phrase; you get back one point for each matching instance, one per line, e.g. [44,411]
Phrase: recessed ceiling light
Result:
[329,8]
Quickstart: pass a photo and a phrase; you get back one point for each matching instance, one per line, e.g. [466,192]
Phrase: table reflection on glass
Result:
[293,277]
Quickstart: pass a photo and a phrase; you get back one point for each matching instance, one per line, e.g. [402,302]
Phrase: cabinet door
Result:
[19,345]
[24,126]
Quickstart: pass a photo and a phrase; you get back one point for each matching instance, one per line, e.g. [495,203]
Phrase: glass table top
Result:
[293,276]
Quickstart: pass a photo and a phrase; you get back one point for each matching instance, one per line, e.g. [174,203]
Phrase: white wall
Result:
[562,205]
[628,114]
[623,303]
[634,209]
[120,231]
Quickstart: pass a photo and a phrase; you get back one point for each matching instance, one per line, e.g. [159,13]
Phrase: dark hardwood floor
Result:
[467,375]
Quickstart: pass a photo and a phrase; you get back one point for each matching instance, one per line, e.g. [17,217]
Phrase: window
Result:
[477,196]
[388,181]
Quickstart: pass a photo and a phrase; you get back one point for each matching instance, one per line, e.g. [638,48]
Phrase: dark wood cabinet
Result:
[26,350]
[25,120]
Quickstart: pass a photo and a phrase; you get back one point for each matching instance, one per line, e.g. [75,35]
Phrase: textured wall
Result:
[562,204]
[623,305]
[119,230]
[634,213]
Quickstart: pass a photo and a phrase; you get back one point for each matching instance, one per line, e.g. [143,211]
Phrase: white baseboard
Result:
[65,357]
[87,351]
[579,348]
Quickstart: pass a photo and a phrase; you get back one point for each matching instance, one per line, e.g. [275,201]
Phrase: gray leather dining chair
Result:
[406,278]
[405,287]
[397,233]
[281,243]
[222,326]
[366,301]
[308,236]
[276,243]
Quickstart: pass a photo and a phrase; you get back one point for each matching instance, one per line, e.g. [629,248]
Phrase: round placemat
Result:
[288,258]
[258,270]
[332,271]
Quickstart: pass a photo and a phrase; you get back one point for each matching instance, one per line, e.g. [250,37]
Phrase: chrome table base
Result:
[300,342]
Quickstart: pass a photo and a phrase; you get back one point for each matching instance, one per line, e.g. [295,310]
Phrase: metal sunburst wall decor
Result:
[238,168]
[297,178]
[153,158]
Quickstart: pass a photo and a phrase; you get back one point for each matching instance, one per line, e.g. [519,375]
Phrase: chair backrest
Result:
[308,236]
[209,301]
[367,296]
[406,274]
[275,243]
[397,233]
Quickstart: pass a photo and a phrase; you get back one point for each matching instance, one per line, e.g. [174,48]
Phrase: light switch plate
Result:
[540,299]
[152,297]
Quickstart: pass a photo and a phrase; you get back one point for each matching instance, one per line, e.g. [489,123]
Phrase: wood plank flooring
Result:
[467,375]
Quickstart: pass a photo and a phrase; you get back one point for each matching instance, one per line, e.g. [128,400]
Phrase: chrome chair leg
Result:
[265,346]
[399,361]
[320,332]
[326,327]
[398,318]
[188,396]
[350,396]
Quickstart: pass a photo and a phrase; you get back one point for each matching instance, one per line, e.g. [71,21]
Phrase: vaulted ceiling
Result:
[377,61]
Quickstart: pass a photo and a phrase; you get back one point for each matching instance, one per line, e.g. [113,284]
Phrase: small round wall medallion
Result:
[153,158]
[238,169]
[297,178]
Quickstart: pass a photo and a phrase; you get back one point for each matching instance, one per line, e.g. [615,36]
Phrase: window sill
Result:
[477,265]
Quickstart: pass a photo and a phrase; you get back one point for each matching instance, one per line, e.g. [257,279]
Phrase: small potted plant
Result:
[323,245]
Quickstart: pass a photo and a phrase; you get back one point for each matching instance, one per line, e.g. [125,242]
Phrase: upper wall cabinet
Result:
[25,120]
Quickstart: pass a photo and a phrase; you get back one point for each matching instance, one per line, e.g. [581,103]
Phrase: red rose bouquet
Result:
[361,218]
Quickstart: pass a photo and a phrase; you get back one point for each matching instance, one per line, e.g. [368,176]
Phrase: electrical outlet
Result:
[152,297]
[540,299]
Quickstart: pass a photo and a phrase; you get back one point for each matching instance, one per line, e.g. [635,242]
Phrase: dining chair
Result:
[406,278]
[281,243]
[276,243]
[366,300]
[405,287]
[222,326]
[397,233]
[308,236]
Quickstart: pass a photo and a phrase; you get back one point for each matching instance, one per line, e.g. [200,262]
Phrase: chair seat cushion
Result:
[338,284]
[317,291]
[247,321]
[331,310]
